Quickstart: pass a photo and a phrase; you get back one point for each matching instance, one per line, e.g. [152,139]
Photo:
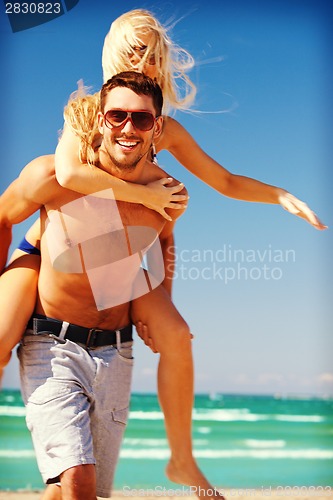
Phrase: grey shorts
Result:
[76,404]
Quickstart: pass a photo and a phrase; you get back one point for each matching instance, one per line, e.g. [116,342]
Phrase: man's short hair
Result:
[139,83]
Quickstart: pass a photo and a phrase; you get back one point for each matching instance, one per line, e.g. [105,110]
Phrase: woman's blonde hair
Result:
[81,115]
[172,63]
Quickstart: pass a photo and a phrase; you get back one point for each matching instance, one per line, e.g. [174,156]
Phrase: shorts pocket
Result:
[125,352]
[35,357]
[46,403]
[120,416]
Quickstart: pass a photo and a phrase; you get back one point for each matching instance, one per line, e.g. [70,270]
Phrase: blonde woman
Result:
[138,41]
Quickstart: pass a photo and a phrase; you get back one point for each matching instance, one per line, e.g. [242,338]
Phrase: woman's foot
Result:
[190,475]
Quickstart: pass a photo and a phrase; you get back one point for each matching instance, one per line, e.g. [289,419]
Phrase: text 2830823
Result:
[33,8]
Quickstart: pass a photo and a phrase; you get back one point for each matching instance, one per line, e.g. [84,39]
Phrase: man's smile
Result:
[127,144]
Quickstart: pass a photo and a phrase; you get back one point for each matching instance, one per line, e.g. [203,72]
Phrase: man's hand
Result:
[299,208]
[144,335]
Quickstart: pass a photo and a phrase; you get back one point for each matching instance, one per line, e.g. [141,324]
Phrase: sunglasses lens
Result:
[115,117]
[142,120]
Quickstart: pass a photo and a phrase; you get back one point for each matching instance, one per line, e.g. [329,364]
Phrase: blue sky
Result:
[266,67]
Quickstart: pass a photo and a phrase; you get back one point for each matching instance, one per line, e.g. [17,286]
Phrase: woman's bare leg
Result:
[171,337]
[18,288]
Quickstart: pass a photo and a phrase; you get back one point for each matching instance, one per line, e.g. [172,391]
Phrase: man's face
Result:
[126,145]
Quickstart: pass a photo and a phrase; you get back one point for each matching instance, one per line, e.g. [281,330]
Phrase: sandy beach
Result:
[241,494]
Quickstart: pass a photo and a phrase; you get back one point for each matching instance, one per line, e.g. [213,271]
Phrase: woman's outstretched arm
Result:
[185,149]
[72,174]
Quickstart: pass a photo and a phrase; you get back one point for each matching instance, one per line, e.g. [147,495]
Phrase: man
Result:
[77,378]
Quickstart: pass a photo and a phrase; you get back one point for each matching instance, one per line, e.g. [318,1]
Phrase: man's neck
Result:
[136,175]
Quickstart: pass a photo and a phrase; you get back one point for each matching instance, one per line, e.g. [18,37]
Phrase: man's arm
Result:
[6,239]
[35,186]
[168,252]
[14,208]
[167,241]
[169,257]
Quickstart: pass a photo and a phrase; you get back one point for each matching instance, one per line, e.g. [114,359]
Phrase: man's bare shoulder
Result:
[42,166]
[156,172]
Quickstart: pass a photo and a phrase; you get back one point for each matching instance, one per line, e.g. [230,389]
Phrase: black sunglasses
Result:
[142,120]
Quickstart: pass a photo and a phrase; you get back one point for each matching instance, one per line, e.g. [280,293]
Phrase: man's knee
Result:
[52,492]
[80,473]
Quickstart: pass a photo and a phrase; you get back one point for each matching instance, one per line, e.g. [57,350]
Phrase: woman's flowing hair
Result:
[172,62]
[81,115]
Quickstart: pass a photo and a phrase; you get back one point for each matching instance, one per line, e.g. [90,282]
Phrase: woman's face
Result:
[139,51]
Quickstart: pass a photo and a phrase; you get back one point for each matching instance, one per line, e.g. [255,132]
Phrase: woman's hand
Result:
[159,196]
[297,207]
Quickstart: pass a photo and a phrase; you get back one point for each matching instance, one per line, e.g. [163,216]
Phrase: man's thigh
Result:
[56,387]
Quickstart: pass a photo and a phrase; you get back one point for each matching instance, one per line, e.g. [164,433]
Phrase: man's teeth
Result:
[127,143]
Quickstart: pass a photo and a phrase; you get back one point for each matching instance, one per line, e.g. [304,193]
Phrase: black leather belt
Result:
[90,337]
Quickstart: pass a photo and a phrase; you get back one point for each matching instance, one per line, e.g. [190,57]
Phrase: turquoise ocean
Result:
[239,441]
